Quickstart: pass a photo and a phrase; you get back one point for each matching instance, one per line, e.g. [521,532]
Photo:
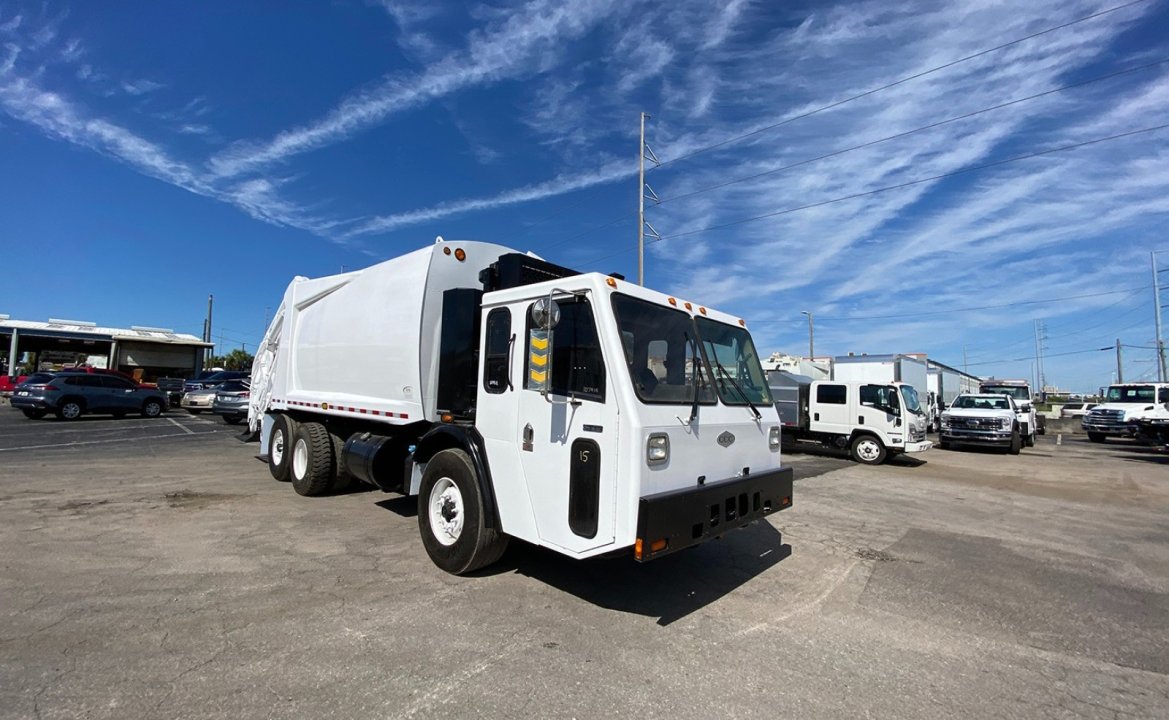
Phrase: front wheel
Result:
[1016,443]
[1097,437]
[69,410]
[944,444]
[233,419]
[151,408]
[868,450]
[451,516]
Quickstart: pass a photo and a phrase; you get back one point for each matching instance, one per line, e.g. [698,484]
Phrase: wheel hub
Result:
[446,511]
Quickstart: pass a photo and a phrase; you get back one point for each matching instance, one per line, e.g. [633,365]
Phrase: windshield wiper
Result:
[735,385]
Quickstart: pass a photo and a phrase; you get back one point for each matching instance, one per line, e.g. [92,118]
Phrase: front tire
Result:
[232,419]
[868,450]
[1016,443]
[451,516]
[1097,437]
[280,447]
[944,444]
[151,408]
[311,468]
[70,410]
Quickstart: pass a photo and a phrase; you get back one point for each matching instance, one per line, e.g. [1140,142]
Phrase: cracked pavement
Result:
[152,572]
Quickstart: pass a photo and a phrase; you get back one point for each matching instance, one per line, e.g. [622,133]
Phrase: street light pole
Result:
[811,335]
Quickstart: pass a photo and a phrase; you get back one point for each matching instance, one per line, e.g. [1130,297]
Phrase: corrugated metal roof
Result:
[64,327]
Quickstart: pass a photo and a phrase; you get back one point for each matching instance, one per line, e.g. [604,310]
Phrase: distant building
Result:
[143,352]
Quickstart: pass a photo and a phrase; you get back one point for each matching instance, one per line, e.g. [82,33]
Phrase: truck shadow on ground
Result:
[669,588]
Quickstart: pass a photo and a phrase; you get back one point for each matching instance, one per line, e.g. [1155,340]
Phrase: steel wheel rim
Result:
[868,450]
[277,452]
[299,459]
[445,509]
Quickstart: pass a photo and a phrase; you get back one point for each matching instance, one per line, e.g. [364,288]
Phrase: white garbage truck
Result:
[519,399]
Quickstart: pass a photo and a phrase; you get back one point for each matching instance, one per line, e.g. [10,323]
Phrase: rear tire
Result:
[311,466]
[280,447]
[868,450]
[1097,437]
[33,414]
[232,419]
[451,516]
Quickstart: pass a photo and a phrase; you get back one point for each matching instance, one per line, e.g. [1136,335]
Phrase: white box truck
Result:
[516,398]
[872,420]
[944,385]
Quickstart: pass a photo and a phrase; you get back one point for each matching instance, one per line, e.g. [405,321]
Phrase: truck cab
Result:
[1031,423]
[988,419]
[1124,406]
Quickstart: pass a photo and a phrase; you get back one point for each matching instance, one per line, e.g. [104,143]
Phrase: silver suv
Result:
[71,395]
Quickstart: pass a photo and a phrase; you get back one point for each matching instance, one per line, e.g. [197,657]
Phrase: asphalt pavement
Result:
[154,569]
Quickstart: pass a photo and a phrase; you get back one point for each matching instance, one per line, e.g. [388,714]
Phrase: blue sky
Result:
[154,153]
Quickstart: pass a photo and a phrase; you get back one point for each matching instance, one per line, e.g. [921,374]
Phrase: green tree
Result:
[238,359]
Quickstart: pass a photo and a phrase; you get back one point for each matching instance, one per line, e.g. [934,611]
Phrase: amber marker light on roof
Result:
[673,302]
[460,254]
[446,251]
[743,323]
[687,305]
[702,310]
[611,282]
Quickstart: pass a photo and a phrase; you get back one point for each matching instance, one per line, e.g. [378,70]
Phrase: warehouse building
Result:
[145,353]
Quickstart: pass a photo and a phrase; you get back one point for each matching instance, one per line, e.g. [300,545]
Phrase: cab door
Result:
[567,428]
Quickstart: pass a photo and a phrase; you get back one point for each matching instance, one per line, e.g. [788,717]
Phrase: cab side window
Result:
[578,367]
[497,349]
[832,394]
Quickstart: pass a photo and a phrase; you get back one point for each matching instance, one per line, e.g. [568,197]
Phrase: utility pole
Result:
[811,335]
[207,332]
[1119,364]
[1040,337]
[1161,374]
[644,191]
[965,365]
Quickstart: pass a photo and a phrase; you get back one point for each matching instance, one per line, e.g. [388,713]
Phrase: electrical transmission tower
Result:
[644,191]
[1040,346]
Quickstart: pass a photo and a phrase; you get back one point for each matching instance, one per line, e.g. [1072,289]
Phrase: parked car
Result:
[211,378]
[72,394]
[231,401]
[107,371]
[197,401]
[173,387]
[986,419]
[7,385]
[1075,410]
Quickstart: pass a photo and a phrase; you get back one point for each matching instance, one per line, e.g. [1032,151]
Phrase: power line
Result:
[895,83]
[1048,355]
[1020,303]
[914,131]
[911,183]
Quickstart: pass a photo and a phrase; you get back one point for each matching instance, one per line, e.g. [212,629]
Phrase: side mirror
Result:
[545,313]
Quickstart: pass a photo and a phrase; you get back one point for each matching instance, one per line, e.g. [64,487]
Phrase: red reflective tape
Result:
[362,411]
[376,412]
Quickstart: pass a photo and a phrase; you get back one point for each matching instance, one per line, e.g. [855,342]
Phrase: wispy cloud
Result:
[140,87]
[513,48]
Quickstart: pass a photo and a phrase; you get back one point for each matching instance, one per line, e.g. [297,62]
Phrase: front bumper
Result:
[678,519]
[977,437]
[1110,427]
[912,447]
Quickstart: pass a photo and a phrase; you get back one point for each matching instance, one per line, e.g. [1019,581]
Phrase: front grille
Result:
[1106,416]
[975,423]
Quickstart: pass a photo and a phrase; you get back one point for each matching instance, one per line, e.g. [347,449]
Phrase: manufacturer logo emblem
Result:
[725,439]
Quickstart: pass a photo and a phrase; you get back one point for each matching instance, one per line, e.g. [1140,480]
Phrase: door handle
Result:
[528,435]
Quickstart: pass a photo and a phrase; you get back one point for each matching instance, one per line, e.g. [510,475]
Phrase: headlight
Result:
[773,438]
[657,449]
[1006,422]
[945,421]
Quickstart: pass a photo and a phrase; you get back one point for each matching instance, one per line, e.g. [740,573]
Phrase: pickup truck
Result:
[988,419]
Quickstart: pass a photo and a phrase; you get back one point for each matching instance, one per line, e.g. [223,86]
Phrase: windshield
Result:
[730,350]
[660,347]
[911,402]
[1131,393]
[1019,392]
[968,402]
